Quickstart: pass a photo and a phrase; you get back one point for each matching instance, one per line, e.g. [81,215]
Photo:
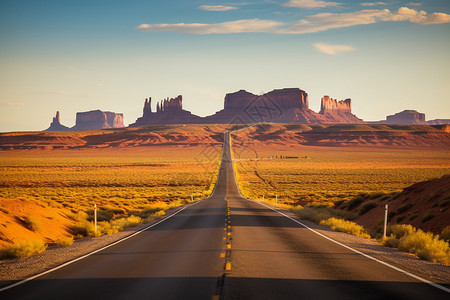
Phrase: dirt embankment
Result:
[424,205]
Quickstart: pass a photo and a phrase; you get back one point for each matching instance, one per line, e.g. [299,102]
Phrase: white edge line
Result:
[438,286]
[96,251]
[114,243]
[359,252]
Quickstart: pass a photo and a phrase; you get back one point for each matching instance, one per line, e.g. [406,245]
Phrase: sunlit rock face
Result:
[97,119]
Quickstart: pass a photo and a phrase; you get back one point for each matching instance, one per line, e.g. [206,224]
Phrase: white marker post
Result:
[385,220]
[276,200]
[95,219]
[192,197]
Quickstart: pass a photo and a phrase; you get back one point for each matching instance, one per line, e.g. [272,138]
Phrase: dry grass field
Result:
[281,160]
[47,196]
[341,176]
[324,176]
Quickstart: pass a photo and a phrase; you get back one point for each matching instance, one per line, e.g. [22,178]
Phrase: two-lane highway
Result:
[263,254]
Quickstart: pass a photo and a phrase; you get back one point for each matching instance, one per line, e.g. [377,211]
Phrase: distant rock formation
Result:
[438,122]
[288,105]
[338,111]
[168,111]
[330,105]
[97,119]
[406,117]
[56,124]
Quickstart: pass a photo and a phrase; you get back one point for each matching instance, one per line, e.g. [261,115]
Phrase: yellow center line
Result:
[229,246]
[228,266]
[222,254]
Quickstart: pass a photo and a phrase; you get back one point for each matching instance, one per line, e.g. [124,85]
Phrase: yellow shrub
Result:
[64,242]
[425,245]
[24,249]
[345,226]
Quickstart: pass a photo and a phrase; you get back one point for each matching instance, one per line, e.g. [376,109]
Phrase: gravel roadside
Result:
[433,272]
[14,270]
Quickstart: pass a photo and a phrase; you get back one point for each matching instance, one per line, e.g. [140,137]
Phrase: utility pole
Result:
[95,219]
[385,220]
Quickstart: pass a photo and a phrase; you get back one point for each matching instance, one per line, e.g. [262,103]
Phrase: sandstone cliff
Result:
[97,119]
[56,124]
[406,117]
[288,105]
[168,111]
[338,111]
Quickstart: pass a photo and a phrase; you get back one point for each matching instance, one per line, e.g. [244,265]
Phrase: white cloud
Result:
[325,21]
[373,3]
[419,17]
[216,7]
[414,4]
[310,3]
[333,49]
[313,23]
[239,26]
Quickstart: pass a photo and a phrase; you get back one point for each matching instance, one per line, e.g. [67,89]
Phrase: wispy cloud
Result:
[325,21]
[333,49]
[10,103]
[414,4]
[313,23]
[217,7]
[373,3]
[310,4]
[239,26]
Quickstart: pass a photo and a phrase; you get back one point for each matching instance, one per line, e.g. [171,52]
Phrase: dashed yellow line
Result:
[228,266]
[222,254]
[229,233]
[228,246]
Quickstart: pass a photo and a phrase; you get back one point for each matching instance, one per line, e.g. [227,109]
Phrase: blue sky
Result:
[111,54]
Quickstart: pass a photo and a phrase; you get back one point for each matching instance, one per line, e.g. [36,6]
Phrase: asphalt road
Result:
[225,247]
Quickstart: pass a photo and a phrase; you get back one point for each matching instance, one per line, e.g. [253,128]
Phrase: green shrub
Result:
[427,216]
[356,201]
[345,226]
[23,249]
[404,208]
[366,207]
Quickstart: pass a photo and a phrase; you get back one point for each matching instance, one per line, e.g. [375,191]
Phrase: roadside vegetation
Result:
[48,197]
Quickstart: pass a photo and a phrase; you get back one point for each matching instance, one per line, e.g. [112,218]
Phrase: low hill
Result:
[424,205]
[265,134]
[163,135]
[346,135]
